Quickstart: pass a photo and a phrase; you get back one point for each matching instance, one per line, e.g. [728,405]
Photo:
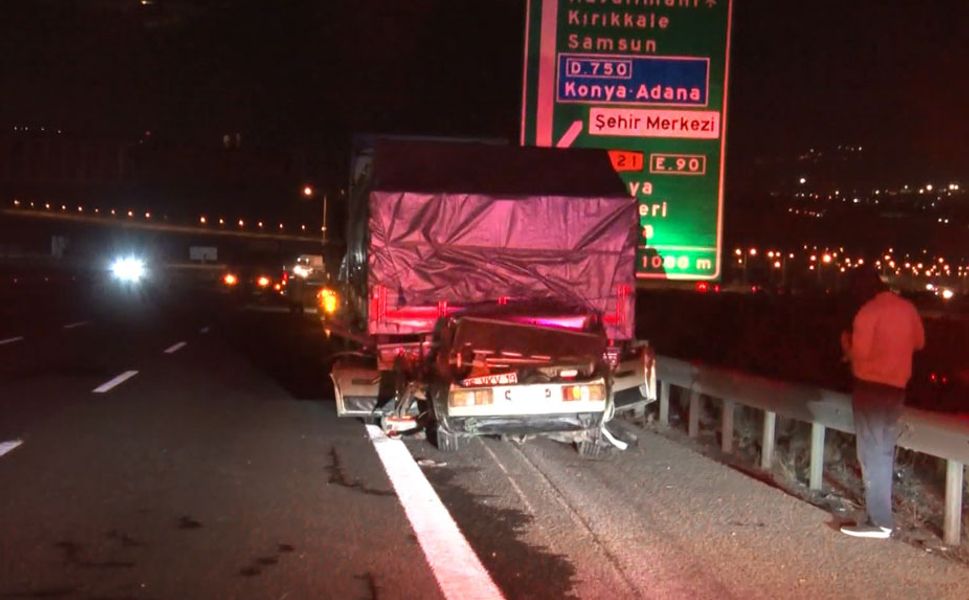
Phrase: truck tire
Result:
[445,441]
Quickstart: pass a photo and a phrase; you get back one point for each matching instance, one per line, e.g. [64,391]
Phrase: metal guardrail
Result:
[935,434]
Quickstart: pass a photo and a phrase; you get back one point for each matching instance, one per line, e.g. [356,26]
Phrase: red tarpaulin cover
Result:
[430,252]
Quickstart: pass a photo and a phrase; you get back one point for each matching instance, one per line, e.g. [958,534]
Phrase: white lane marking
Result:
[456,567]
[78,324]
[175,347]
[104,387]
[8,446]
[204,329]
[11,340]
[514,484]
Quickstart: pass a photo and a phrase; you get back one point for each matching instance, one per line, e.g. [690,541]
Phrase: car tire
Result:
[592,450]
[446,441]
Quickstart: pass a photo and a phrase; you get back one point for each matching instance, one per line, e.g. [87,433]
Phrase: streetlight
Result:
[309,192]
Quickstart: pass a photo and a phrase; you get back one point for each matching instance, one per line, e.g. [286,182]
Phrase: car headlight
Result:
[128,269]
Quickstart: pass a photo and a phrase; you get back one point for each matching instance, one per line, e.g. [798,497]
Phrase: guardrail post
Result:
[767,444]
[664,403]
[693,429]
[952,527]
[817,457]
[726,427]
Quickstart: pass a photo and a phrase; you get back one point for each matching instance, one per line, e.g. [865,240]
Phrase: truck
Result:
[488,290]
[303,280]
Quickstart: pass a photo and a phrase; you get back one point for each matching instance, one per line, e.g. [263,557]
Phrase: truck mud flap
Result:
[356,387]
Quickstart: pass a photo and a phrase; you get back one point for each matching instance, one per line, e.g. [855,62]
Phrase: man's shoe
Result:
[867,531]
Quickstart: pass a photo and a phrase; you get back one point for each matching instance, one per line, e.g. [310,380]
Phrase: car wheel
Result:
[592,450]
[445,441]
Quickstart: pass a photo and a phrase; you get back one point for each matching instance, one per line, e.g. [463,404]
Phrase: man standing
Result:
[885,333]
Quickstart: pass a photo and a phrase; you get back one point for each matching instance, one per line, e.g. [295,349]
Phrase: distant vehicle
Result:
[303,282]
[262,283]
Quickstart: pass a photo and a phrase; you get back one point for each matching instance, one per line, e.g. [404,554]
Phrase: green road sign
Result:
[647,80]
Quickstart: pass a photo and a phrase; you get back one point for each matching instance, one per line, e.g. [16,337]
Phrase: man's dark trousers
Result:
[877,408]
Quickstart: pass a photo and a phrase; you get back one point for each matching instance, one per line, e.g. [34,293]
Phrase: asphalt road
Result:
[219,470]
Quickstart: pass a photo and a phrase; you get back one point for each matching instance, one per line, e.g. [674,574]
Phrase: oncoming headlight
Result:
[128,268]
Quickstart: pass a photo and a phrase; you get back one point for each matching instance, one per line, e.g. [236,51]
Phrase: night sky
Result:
[891,75]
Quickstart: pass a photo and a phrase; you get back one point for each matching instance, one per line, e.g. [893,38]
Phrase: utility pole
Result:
[324,219]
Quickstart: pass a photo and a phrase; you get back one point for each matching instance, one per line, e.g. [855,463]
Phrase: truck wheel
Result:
[445,441]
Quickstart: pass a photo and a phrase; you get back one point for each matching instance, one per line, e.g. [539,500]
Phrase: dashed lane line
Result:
[11,340]
[511,480]
[175,347]
[75,325]
[8,446]
[456,567]
[108,385]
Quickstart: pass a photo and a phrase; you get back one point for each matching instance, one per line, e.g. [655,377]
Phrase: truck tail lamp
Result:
[584,393]
[481,397]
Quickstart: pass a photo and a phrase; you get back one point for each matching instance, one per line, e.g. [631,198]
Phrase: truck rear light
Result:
[460,398]
[584,393]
